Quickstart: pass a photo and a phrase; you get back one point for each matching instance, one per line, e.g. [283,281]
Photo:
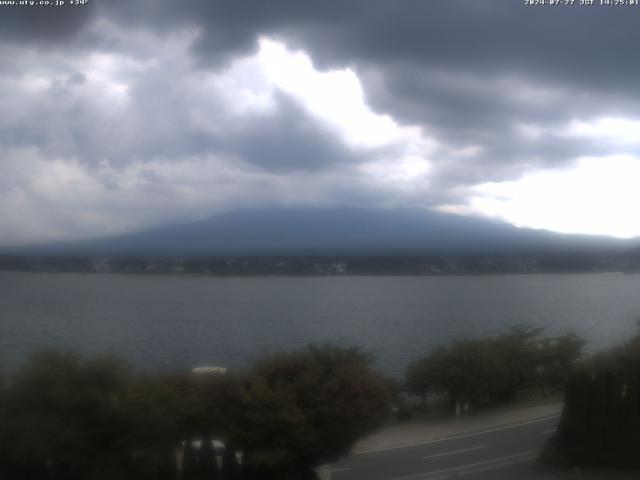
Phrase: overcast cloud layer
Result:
[122,115]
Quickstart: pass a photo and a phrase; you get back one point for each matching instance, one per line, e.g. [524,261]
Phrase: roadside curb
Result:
[422,433]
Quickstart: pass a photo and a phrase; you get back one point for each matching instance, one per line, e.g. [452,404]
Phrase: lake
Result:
[178,322]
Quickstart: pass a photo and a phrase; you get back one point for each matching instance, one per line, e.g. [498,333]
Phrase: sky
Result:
[119,116]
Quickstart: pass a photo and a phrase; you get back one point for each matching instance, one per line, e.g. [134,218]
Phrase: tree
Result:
[190,470]
[516,353]
[159,410]
[558,357]
[64,418]
[465,370]
[600,423]
[230,469]
[496,369]
[308,407]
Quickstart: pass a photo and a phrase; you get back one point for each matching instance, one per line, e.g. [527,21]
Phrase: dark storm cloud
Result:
[494,83]
[580,47]
[591,46]
[44,26]
[587,45]
[584,51]
[166,118]
[489,106]
[289,140]
[587,54]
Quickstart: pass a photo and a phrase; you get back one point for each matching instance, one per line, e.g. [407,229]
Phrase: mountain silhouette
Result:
[320,231]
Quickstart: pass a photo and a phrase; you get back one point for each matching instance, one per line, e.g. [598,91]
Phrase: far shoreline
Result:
[319,275]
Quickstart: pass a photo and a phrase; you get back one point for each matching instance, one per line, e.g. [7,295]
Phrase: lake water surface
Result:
[177,322]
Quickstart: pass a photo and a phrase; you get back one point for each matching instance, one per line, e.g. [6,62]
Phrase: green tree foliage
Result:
[158,409]
[67,418]
[496,369]
[465,370]
[309,407]
[516,354]
[557,356]
[218,407]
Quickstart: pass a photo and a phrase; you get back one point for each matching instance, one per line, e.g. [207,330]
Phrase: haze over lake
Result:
[177,322]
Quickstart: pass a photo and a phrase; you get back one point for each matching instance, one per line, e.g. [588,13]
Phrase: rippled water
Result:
[166,322]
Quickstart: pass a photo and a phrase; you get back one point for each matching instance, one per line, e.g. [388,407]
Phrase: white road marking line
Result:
[548,432]
[488,468]
[495,466]
[343,469]
[453,452]
[498,461]
[456,437]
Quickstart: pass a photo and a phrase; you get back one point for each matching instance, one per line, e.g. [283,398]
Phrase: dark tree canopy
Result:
[62,416]
[309,407]
[600,424]
[69,414]
[496,369]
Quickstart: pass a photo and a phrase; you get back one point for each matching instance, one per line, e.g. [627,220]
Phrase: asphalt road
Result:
[507,452]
